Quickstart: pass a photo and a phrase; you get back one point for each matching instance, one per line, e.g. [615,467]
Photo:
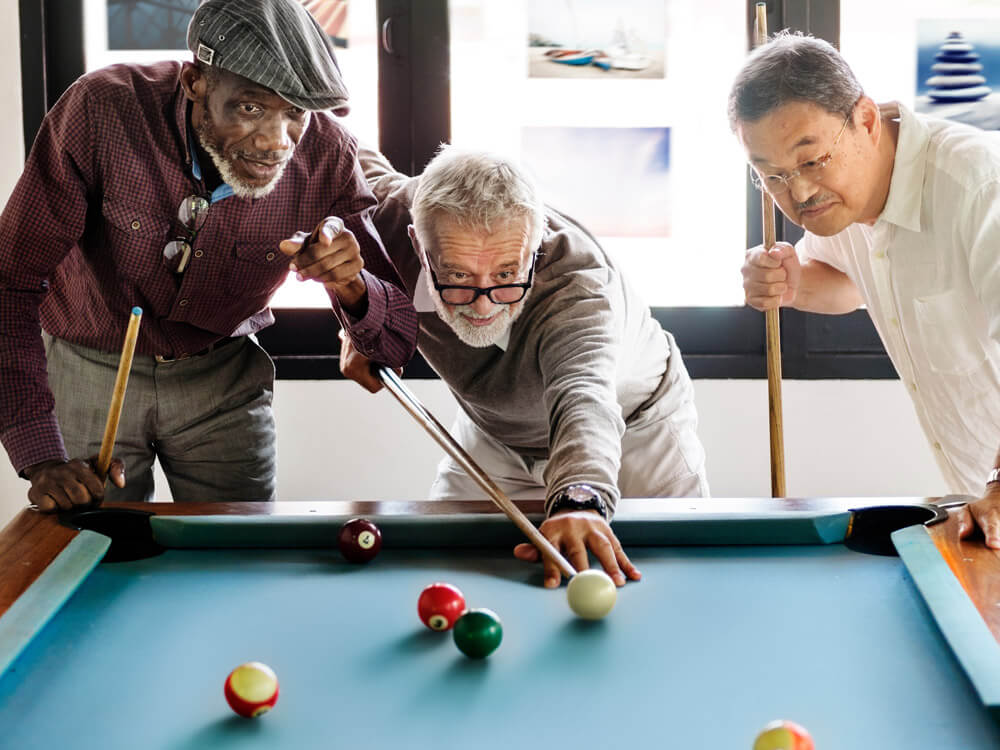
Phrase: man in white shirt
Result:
[902,213]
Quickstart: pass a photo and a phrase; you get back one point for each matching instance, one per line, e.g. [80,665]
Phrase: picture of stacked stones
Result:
[958,74]
[957,71]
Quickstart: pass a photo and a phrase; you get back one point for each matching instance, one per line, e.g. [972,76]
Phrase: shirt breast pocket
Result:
[257,270]
[952,339]
[135,238]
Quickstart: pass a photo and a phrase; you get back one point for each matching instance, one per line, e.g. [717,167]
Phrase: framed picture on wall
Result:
[958,70]
[597,39]
[162,24]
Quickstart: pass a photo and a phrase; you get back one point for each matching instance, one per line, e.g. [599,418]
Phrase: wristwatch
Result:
[579,497]
[993,477]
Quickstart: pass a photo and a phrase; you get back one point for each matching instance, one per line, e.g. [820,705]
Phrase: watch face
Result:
[581,493]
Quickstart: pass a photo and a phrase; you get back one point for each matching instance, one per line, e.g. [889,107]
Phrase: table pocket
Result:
[951,338]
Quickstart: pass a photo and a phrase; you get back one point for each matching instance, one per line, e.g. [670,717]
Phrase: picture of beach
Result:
[597,39]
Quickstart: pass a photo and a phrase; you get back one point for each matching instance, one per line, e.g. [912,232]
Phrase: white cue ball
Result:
[591,594]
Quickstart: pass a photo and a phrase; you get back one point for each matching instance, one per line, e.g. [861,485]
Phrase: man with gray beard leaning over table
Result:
[568,389]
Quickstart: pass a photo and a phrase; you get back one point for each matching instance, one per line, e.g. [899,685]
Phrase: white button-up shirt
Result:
[929,271]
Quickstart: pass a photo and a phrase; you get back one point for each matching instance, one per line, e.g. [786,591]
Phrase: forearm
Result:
[824,289]
[28,428]
[585,420]
[387,334]
[586,449]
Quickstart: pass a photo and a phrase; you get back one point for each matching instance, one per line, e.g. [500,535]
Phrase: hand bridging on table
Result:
[984,514]
[574,532]
[330,255]
[61,485]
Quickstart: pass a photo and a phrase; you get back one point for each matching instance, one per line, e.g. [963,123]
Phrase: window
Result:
[475,72]
[619,111]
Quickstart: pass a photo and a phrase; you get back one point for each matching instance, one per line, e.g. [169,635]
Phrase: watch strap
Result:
[579,497]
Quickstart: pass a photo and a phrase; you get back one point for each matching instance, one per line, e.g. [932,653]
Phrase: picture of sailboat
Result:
[596,38]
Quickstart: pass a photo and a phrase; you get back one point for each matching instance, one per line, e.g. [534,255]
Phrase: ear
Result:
[866,116]
[412,232]
[195,84]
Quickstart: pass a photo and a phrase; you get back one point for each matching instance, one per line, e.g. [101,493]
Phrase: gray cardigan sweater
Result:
[584,355]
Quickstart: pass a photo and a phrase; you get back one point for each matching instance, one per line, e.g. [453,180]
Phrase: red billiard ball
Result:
[439,605]
[252,689]
[783,735]
[359,540]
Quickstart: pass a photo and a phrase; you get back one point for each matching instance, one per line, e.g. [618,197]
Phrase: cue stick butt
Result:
[118,395]
[451,446]
[771,320]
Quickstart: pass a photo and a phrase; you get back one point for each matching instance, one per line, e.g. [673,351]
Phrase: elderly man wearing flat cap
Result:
[188,190]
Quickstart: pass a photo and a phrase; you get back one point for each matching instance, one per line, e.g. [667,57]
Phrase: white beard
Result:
[476,336]
[240,188]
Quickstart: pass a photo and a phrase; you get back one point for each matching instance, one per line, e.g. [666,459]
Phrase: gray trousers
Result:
[207,419]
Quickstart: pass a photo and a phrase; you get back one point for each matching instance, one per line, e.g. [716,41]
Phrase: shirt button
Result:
[894,321]
[913,387]
[183,302]
[136,224]
[198,253]
[880,254]
[269,256]
[937,446]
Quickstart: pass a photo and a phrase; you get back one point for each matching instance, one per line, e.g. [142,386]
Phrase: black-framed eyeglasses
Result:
[191,215]
[501,294]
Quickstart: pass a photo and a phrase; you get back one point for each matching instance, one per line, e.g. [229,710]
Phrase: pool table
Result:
[747,611]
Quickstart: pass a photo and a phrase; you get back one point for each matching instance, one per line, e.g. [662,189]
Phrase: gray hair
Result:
[792,67]
[477,190]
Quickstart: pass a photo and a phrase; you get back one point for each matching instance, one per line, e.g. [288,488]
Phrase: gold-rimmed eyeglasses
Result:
[812,170]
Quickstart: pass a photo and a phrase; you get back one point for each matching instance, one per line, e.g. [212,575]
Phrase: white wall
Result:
[847,438]
[11,130]
[842,438]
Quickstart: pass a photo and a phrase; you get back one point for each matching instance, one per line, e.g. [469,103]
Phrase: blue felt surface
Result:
[712,644]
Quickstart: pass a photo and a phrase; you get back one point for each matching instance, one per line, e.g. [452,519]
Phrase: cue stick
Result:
[772,325]
[118,395]
[444,438]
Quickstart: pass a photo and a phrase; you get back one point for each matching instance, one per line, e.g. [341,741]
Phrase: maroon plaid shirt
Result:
[82,238]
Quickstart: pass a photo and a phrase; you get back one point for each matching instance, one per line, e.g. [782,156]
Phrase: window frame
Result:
[414,117]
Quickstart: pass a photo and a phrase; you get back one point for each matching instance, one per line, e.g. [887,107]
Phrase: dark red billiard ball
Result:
[359,540]
[439,605]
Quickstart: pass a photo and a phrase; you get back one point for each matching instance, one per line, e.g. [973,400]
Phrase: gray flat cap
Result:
[274,43]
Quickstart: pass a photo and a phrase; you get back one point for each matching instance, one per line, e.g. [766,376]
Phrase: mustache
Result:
[816,200]
[269,157]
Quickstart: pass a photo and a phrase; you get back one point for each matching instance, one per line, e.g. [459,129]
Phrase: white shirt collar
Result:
[902,207]
[422,300]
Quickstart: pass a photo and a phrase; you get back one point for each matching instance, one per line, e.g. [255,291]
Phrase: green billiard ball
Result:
[478,633]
